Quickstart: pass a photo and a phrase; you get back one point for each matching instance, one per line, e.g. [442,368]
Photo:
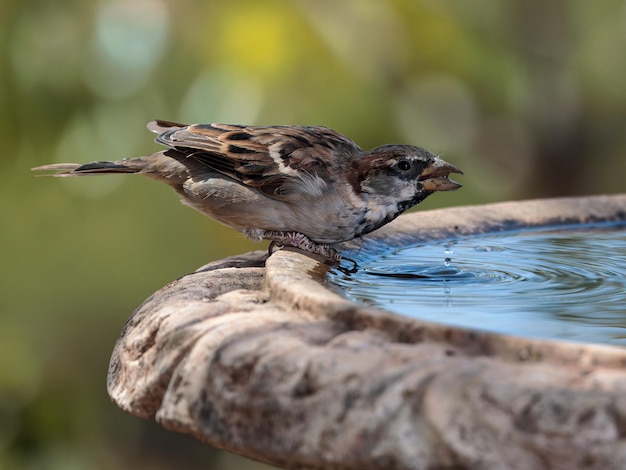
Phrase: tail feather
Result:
[86,169]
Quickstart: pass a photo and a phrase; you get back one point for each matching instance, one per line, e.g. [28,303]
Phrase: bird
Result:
[307,187]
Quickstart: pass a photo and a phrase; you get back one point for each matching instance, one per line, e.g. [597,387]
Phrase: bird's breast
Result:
[329,217]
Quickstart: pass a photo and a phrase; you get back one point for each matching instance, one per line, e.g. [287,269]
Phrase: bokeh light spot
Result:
[129,39]
[256,39]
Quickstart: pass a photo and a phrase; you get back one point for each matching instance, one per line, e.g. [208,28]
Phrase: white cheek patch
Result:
[382,206]
[380,212]
[405,192]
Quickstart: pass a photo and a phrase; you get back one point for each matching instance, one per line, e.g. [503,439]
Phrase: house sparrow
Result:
[306,187]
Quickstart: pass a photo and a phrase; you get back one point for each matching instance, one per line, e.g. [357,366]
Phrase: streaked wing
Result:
[276,160]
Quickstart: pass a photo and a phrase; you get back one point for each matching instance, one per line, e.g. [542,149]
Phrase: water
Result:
[565,283]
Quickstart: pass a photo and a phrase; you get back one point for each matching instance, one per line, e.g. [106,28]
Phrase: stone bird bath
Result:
[261,357]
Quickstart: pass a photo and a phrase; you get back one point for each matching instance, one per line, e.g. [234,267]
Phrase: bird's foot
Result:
[300,241]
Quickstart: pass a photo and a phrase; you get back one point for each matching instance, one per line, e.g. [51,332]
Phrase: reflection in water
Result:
[557,283]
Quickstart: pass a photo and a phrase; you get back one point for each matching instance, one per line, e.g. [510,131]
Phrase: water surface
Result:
[564,283]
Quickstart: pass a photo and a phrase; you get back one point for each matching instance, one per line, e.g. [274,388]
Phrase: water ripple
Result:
[559,283]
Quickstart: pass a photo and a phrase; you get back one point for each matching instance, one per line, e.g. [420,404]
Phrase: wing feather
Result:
[276,160]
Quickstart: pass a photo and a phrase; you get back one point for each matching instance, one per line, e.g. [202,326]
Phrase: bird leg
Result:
[300,241]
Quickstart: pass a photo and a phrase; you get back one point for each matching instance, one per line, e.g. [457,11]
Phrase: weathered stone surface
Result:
[259,357]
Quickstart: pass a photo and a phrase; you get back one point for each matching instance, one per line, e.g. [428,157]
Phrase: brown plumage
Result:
[303,186]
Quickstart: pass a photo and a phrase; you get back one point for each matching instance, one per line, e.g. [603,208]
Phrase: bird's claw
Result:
[298,240]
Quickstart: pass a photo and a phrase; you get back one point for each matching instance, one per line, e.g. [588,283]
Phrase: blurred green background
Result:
[527,97]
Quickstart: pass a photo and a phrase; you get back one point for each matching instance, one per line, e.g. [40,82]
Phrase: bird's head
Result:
[393,178]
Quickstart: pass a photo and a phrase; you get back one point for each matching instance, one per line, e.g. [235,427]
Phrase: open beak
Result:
[435,177]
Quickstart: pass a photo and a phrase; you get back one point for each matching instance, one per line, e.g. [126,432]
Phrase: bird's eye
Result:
[404,165]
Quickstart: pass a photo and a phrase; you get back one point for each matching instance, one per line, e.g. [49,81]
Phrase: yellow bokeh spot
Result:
[256,39]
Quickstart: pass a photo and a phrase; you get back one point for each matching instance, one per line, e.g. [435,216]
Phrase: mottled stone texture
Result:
[259,357]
